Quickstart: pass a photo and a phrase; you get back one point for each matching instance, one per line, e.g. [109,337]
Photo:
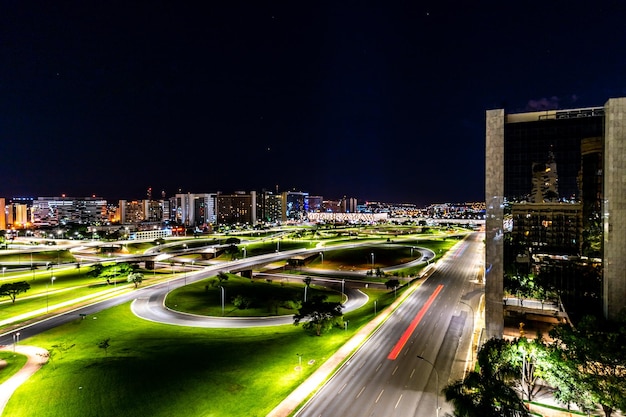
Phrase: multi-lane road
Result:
[401,369]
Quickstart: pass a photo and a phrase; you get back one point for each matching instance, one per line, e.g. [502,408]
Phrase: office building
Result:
[236,208]
[556,206]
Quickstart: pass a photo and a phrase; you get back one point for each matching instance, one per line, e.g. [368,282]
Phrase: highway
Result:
[385,377]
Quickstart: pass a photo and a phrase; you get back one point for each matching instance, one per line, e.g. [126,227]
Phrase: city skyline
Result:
[381,102]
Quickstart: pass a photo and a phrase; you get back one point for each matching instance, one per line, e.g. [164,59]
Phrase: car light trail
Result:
[409,331]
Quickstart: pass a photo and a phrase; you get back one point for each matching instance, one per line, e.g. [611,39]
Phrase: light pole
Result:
[222,290]
[244,252]
[473,324]
[343,283]
[372,261]
[437,381]
[374,307]
[52,281]
[322,255]
[299,359]
[16,339]
[4,269]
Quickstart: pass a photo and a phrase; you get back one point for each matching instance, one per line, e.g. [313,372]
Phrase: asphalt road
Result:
[385,377]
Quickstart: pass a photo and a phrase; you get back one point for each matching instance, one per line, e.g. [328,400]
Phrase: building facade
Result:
[555,206]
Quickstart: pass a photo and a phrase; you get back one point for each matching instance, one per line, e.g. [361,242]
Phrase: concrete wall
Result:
[614,218]
[494,199]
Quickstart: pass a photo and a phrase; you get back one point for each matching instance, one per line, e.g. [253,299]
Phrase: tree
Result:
[222,276]
[135,277]
[392,283]
[318,314]
[593,355]
[487,393]
[96,269]
[12,289]
[530,358]
[242,302]
[104,344]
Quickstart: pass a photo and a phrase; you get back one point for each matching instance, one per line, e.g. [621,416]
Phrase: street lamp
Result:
[343,283]
[52,281]
[437,381]
[4,269]
[222,290]
[322,255]
[16,339]
[372,261]
[244,252]
[374,307]
[473,324]
[299,359]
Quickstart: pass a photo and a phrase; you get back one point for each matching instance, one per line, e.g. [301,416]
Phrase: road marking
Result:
[409,331]
[378,367]
[378,398]
[341,389]
[412,372]
[394,371]
[398,401]
[360,392]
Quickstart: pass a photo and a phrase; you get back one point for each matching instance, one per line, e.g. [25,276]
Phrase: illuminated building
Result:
[540,220]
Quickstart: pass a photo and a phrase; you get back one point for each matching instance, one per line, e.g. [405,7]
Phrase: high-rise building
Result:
[195,209]
[556,207]
[269,207]
[3,214]
[60,210]
[295,205]
[236,208]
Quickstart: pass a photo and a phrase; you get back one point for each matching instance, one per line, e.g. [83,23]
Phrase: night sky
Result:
[380,100]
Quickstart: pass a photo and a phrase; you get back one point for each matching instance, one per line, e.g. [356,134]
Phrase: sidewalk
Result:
[36,358]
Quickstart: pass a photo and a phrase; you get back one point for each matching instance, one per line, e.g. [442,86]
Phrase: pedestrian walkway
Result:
[36,358]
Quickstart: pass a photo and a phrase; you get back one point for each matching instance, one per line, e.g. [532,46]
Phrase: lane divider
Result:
[409,331]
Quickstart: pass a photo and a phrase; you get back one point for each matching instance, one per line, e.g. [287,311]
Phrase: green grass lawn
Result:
[268,299]
[153,369]
[14,362]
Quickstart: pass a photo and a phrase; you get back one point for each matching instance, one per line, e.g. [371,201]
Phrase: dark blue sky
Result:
[374,100]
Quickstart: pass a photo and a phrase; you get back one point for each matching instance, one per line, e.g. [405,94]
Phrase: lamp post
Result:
[222,290]
[374,307]
[437,381]
[16,339]
[299,359]
[4,269]
[473,324]
[244,252]
[372,254]
[343,283]
[322,255]
[52,281]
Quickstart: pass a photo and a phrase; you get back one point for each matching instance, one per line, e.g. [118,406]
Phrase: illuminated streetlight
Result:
[437,381]
[343,283]
[222,289]
[16,339]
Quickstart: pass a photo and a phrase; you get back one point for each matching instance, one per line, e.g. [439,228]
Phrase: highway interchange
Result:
[385,377]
